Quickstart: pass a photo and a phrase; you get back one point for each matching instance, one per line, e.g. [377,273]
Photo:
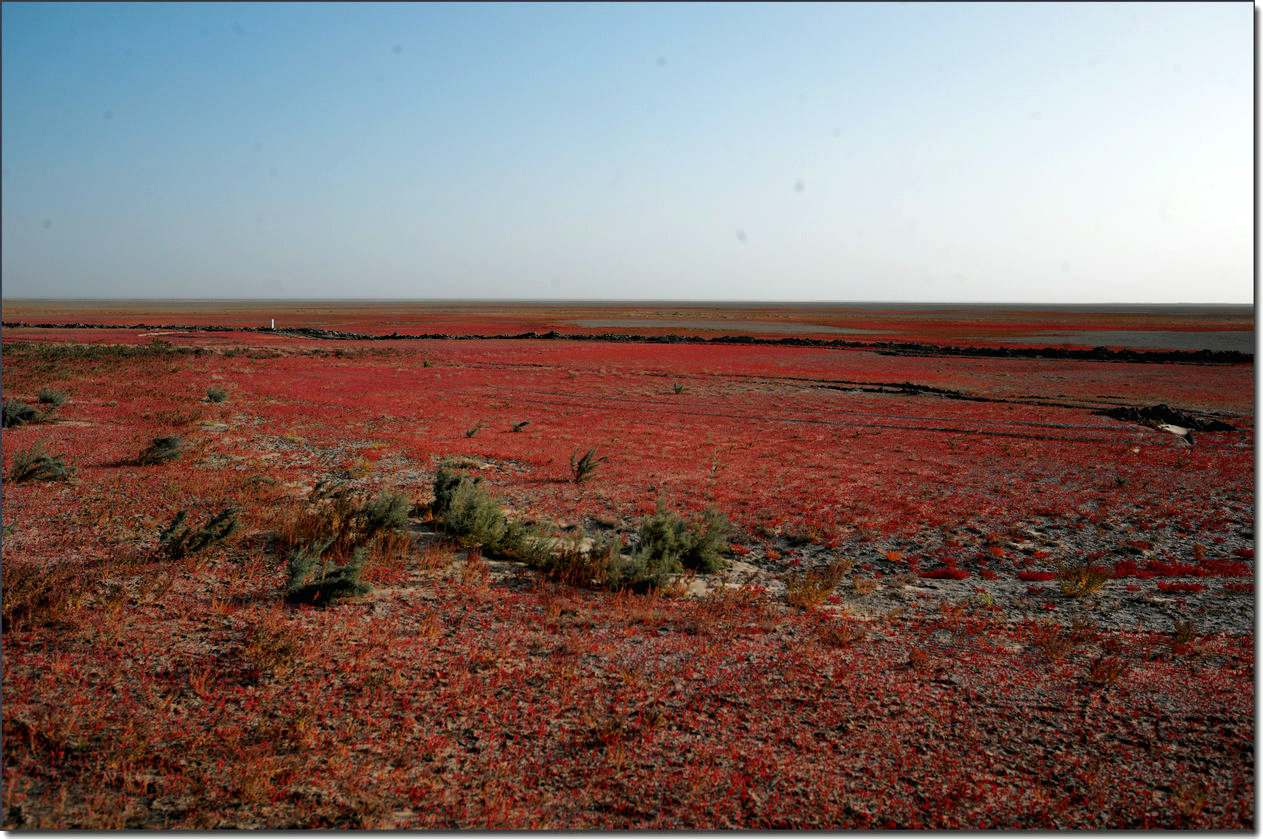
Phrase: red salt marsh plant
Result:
[430,705]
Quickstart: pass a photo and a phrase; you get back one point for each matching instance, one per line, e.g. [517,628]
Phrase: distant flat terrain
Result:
[1157,327]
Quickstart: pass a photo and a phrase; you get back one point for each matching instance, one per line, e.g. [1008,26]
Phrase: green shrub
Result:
[337,523]
[36,464]
[388,511]
[161,450]
[17,414]
[180,540]
[475,516]
[52,396]
[335,510]
[316,580]
[583,467]
[669,543]
[468,510]
[677,387]
[216,394]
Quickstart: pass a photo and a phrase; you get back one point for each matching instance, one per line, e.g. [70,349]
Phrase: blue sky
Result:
[1059,152]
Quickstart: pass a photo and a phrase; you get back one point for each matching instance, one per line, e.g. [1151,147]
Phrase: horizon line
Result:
[614,300]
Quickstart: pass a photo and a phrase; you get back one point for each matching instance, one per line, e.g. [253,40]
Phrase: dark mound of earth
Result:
[1157,414]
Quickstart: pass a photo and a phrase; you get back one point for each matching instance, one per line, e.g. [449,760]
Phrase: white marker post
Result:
[273,326]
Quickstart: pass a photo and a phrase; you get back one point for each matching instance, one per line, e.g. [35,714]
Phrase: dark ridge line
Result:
[882,347]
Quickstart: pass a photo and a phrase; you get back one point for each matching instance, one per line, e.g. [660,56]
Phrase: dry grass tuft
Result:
[38,595]
[1082,580]
[809,589]
[840,633]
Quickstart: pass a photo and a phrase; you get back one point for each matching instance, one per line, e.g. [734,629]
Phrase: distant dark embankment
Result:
[884,347]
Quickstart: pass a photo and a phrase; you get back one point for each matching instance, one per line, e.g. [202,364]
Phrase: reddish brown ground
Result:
[145,692]
[945,325]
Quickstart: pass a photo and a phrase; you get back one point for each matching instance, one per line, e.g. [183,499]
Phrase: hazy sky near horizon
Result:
[1023,152]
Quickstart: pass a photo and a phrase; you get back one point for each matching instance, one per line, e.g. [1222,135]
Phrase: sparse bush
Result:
[388,511]
[809,589]
[270,648]
[36,464]
[1059,641]
[17,414]
[436,555]
[316,580]
[179,539]
[476,517]
[57,351]
[581,468]
[216,394]
[670,543]
[474,572]
[677,387]
[1184,632]
[479,427]
[161,450]
[473,515]
[1053,640]
[518,426]
[602,565]
[337,524]
[839,633]
[1082,579]
[52,396]
[335,510]
[467,510]
[921,661]
[38,595]
[1105,670]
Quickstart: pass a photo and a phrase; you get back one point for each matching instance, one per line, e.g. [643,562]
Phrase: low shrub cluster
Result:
[1082,579]
[475,517]
[181,539]
[36,464]
[333,540]
[670,543]
[52,396]
[666,544]
[57,351]
[38,594]
[315,577]
[161,450]
[17,414]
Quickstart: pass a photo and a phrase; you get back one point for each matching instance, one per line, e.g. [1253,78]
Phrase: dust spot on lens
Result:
[108,114]
[47,223]
[741,236]
[397,48]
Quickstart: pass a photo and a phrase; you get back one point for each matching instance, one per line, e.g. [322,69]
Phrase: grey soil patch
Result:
[722,325]
[1140,339]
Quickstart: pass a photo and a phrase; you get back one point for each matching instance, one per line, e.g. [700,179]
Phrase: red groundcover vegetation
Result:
[955,595]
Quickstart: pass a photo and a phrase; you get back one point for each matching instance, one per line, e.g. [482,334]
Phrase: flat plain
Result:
[974,571]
